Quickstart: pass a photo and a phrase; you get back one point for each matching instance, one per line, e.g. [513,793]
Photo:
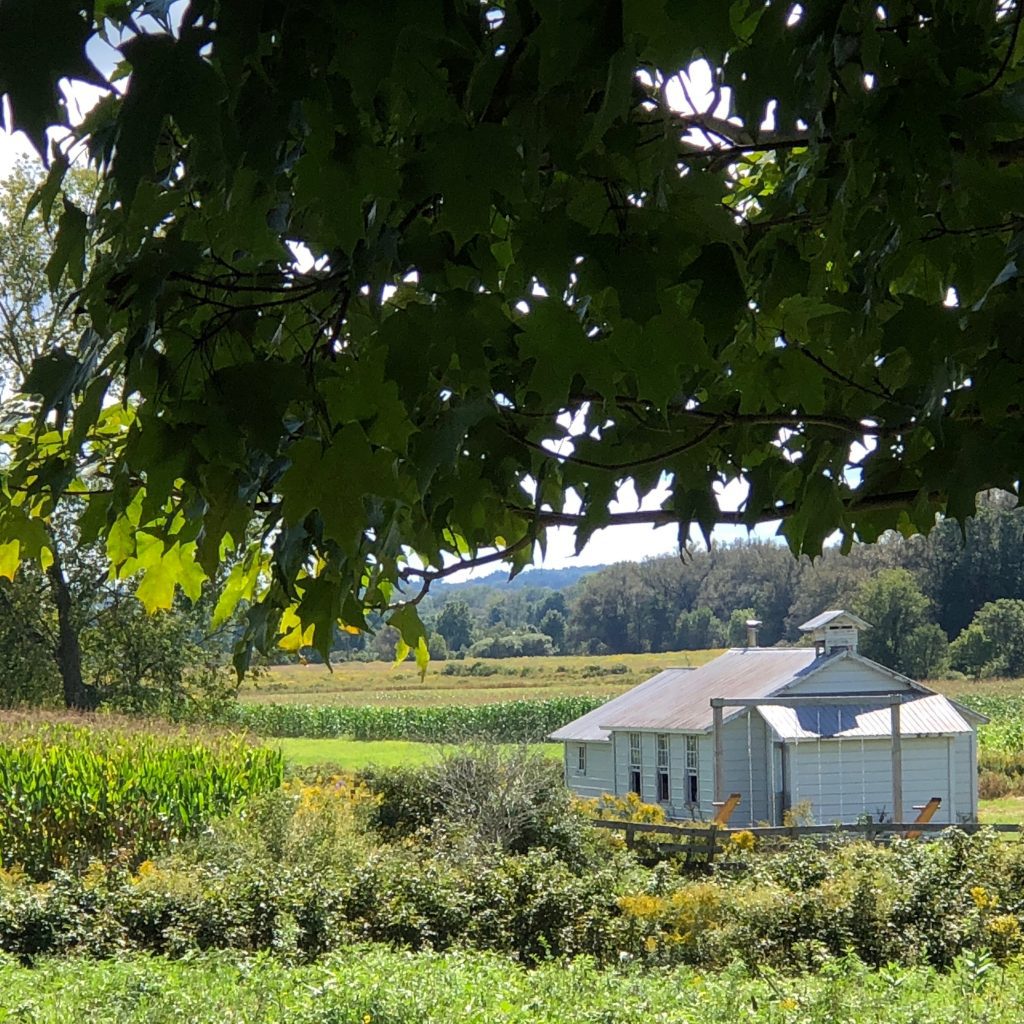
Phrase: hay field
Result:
[382,684]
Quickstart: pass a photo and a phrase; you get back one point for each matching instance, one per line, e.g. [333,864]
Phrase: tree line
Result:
[951,601]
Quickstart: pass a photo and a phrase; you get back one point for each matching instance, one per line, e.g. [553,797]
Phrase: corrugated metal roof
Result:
[682,701]
[661,687]
[926,715]
[826,617]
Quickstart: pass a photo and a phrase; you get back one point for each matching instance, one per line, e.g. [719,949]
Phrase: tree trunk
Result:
[68,652]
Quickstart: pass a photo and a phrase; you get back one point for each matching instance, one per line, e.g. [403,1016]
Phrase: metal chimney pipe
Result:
[752,625]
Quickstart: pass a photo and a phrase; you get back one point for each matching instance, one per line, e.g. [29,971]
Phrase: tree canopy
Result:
[397,285]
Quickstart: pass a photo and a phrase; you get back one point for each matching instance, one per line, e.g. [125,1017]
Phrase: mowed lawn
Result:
[472,681]
[350,755]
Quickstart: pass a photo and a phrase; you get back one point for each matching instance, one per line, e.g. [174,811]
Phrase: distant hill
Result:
[554,579]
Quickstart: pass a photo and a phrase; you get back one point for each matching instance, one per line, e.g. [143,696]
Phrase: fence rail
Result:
[701,842]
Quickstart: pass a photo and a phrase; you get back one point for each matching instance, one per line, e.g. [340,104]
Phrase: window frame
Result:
[662,762]
[636,763]
[581,759]
[692,770]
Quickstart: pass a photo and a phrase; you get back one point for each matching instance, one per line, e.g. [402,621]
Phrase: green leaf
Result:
[35,54]
[9,558]
[69,250]
[412,636]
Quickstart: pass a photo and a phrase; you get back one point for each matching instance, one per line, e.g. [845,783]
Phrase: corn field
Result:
[71,793]
[1005,730]
[514,721]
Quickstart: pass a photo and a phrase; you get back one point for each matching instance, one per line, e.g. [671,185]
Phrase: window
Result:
[692,780]
[635,764]
[663,781]
[581,759]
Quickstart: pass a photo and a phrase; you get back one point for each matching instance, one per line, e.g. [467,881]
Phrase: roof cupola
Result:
[834,631]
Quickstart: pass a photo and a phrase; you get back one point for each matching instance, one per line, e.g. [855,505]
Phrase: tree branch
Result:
[994,80]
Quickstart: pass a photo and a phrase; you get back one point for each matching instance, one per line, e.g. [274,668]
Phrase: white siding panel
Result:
[746,767]
[847,677]
[965,777]
[649,793]
[621,741]
[706,775]
[843,780]
[599,777]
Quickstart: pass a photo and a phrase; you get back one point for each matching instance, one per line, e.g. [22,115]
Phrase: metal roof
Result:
[825,618]
[681,701]
[927,715]
[662,687]
[678,700]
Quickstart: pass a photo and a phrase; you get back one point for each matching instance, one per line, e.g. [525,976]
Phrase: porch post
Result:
[717,717]
[897,762]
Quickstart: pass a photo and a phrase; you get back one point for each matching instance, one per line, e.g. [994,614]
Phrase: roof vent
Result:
[834,631]
[752,627]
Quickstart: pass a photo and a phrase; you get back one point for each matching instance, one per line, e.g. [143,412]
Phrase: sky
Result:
[616,544]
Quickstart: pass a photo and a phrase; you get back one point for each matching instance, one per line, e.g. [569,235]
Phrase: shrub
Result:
[993,785]
[512,645]
[480,799]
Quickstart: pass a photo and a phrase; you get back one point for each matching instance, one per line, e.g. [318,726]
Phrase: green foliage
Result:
[993,644]
[699,630]
[516,721]
[70,792]
[481,798]
[368,983]
[900,636]
[298,875]
[455,625]
[512,645]
[527,256]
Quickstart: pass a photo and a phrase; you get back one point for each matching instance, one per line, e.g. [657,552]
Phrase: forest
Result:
[951,601]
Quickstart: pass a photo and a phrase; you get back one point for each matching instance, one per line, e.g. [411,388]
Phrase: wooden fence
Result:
[700,844]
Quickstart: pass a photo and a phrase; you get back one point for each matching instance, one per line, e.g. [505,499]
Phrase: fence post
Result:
[712,841]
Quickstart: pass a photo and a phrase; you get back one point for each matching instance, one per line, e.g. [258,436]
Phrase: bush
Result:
[513,645]
[993,785]
[615,669]
[480,799]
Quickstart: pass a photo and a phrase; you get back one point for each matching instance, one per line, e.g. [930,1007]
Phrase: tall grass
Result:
[371,985]
[516,721]
[70,792]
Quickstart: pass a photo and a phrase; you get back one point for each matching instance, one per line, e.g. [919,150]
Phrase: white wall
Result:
[843,779]
[846,676]
[746,773]
[599,777]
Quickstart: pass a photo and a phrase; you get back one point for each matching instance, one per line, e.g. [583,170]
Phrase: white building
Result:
[782,727]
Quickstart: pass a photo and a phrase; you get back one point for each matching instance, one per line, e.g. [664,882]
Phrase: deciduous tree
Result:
[400,290]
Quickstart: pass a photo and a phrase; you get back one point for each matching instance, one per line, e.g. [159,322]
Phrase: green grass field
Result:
[350,755]
[374,985]
[383,684]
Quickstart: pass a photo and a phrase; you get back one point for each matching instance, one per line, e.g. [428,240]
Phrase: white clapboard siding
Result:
[848,676]
[706,779]
[599,777]
[745,760]
[845,779]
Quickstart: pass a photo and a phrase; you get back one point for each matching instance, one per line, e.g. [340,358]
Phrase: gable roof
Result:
[586,729]
[685,706]
[822,620]
[679,700]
